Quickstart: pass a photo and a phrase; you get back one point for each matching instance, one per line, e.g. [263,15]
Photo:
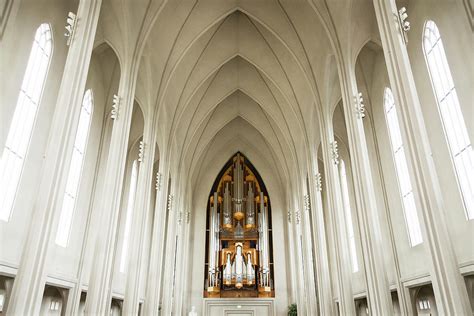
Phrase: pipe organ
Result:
[239,235]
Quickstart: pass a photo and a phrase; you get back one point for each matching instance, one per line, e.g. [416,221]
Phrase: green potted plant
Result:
[292,310]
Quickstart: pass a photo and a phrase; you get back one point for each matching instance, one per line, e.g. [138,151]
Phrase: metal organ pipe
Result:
[250,212]
[227,207]
[265,267]
[213,243]
[238,189]
[239,260]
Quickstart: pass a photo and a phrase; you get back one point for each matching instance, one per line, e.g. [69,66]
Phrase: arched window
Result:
[448,103]
[401,167]
[21,128]
[75,170]
[348,212]
[128,218]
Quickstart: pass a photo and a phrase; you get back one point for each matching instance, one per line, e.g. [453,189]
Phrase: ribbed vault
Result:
[221,67]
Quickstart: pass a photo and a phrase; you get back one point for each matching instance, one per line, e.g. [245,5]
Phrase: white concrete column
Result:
[155,275]
[172,239]
[297,251]
[184,299]
[378,289]
[308,262]
[140,217]
[405,308]
[31,277]
[93,216]
[323,273]
[98,298]
[181,263]
[448,284]
[337,219]
[290,252]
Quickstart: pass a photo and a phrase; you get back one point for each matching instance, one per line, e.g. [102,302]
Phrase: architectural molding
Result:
[114,113]
[359,105]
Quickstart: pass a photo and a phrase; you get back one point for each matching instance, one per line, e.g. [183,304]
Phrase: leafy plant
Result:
[292,310]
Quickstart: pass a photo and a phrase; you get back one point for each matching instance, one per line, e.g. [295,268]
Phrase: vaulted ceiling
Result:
[221,75]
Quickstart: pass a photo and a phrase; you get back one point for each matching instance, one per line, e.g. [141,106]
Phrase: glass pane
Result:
[75,170]
[451,114]
[401,169]
[24,116]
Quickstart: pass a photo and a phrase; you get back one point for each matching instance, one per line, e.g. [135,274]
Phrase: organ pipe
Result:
[227,209]
[238,189]
[250,212]
[238,247]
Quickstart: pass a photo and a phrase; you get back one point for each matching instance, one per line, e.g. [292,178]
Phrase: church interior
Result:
[236,157]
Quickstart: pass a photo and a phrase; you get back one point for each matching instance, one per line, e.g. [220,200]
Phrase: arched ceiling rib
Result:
[209,67]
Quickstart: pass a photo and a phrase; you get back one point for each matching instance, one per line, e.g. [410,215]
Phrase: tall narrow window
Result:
[21,128]
[128,218]
[401,167]
[348,212]
[75,170]
[448,103]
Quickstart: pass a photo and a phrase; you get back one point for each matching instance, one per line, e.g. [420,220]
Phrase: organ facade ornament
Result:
[239,261]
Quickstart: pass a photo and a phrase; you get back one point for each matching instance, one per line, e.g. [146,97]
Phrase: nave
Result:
[236,157]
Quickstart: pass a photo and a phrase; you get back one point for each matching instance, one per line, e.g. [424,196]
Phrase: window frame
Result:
[431,27]
[65,242]
[44,29]
[415,236]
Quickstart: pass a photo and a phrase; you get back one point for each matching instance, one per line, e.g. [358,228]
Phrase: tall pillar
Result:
[140,217]
[155,275]
[98,297]
[291,255]
[181,262]
[170,253]
[31,277]
[298,273]
[405,309]
[337,221]
[323,274]
[378,289]
[309,277]
[448,284]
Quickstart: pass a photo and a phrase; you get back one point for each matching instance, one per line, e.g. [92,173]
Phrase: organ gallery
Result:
[239,255]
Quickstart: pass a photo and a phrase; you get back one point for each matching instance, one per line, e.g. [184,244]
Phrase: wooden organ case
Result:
[238,253]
